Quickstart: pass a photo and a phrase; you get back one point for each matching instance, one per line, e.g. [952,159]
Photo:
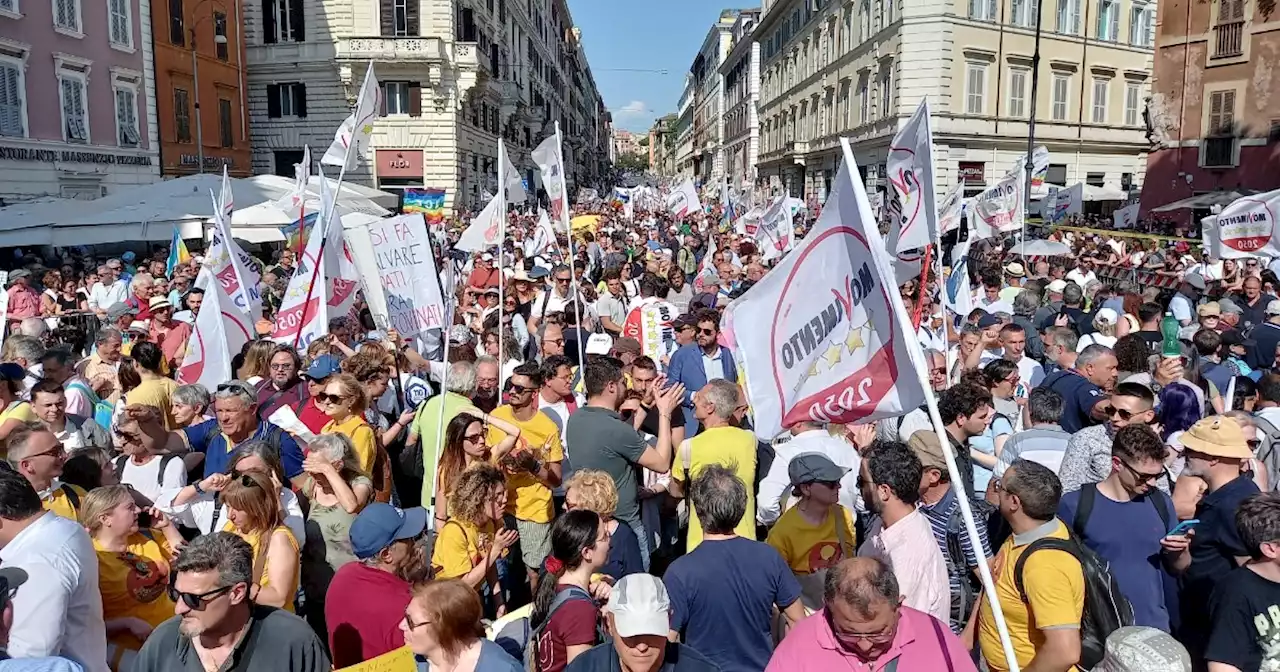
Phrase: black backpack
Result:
[1105,608]
[957,565]
[124,459]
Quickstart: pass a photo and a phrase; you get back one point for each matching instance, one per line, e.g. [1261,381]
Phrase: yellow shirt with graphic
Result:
[1055,599]
[63,504]
[729,447]
[134,584]
[362,437]
[808,548]
[255,542]
[528,498]
[18,411]
[460,546]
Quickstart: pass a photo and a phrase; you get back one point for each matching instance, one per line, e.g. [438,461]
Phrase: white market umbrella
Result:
[1041,248]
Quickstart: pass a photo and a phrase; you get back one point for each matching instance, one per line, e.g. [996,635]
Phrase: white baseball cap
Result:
[640,606]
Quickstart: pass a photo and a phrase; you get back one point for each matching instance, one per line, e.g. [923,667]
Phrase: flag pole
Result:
[430,506]
[916,355]
[328,221]
[502,236]
[568,230]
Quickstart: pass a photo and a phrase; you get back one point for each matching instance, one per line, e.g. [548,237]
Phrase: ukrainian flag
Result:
[178,254]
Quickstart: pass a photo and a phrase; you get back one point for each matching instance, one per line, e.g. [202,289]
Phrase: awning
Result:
[1206,200]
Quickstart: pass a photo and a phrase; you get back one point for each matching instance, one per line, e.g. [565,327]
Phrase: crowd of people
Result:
[571,492]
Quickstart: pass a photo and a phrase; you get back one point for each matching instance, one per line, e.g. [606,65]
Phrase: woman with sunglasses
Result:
[465,444]
[254,514]
[579,548]
[470,544]
[205,508]
[344,401]
[135,548]
[815,533]
[442,624]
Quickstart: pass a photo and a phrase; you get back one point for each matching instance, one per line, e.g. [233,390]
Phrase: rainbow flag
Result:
[430,202]
[295,234]
[178,254]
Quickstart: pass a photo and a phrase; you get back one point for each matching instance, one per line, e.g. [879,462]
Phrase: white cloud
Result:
[632,109]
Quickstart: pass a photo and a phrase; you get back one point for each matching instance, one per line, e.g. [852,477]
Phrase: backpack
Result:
[1105,608]
[1268,455]
[957,565]
[102,409]
[521,641]
[72,497]
[121,461]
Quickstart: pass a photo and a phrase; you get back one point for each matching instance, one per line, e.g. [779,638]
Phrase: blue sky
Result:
[652,35]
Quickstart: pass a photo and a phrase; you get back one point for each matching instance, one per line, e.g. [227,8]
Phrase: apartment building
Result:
[625,142]
[455,75]
[709,100]
[684,129]
[662,146]
[77,98]
[740,81]
[859,69]
[1213,120]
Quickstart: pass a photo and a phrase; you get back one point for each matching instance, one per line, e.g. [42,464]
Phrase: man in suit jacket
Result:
[703,360]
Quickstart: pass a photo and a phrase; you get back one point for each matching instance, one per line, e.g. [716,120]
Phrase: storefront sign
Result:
[399,163]
[71,156]
[973,172]
[209,161]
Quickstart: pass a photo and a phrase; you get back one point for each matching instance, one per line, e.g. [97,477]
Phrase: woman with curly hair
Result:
[594,490]
[372,367]
[472,540]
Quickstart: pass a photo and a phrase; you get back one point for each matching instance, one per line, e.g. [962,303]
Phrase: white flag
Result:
[550,160]
[684,200]
[341,277]
[207,360]
[485,229]
[1000,208]
[352,138]
[508,175]
[1039,163]
[911,198]
[304,310]
[543,236]
[775,232]
[1126,217]
[958,297]
[231,266]
[1070,201]
[295,199]
[825,344]
[951,209]
[1247,227]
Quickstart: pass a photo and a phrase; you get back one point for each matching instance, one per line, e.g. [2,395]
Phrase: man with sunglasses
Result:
[704,361]
[38,456]
[217,624]
[1088,455]
[554,298]
[1126,520]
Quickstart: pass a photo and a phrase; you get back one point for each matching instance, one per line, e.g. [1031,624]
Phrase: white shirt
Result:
[552,300]
[1081,279]
[1030,373]
[993,307]
[910,549]
[102,297]
[147,480]
[777,483]
[58,611]
[199,514]
[715,367]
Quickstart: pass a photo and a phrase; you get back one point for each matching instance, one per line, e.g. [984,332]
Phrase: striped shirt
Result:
[939,515]
[1043,444]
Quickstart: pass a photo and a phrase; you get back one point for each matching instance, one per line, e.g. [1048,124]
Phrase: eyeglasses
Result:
[283,367]
[53,452]
[885,635]
[128,437]
[563,280]
[1112,412]
[1143,477]
[940,371]
[413,626]
[707,332]
[521,389]
[194,601]
[326,398]
[553,340]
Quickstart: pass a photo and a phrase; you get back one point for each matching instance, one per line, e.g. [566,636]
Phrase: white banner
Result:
[1000,208]
[825,343]
[216,335]
[951,209]
[1126,217]
[650,323]
[912,203]
[775,232]
[684,200]
[407,274]
[1069,201]
[1247,226]
[550,162]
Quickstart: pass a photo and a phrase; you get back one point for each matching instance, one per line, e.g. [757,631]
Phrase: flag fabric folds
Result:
[352,138]
[178,254]
[911,192]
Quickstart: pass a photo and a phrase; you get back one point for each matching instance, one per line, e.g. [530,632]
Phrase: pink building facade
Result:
[77,105]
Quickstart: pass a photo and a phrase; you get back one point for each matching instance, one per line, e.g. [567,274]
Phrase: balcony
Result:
[403,49]
[1228,39]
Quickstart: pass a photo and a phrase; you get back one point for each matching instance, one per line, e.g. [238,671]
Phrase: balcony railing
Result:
[393,48]
[1228,39]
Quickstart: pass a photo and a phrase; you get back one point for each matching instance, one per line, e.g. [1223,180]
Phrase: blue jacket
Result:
[686,367]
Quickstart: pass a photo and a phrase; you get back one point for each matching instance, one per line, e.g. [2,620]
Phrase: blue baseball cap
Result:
[323,367]
[379,524]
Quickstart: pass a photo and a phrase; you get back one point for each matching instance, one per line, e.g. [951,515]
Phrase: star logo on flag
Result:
[854,340]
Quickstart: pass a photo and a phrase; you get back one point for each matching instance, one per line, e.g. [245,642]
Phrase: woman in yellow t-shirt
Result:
[470,543]
[254,514]
[155,390]
[14,412]
[816,533]
[133,567]
[343,400]
[466,443]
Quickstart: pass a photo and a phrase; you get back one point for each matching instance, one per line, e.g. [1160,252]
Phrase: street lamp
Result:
[195,82]
[1031,126]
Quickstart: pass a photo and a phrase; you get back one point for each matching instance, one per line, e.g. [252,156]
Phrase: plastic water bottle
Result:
[1169,328]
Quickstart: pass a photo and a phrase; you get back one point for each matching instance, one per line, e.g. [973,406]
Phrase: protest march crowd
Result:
[573,462]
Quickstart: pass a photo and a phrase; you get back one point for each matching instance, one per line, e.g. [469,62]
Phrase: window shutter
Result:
[297,20]
[382,103]
[273,101]
[387,11]
[300,99]
[268,21]
[412,8]
[415,99]
[1228,111]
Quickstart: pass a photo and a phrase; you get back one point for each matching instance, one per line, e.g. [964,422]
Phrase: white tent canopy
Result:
[1091,193]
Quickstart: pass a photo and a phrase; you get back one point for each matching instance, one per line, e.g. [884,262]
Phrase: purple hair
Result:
[1179,409]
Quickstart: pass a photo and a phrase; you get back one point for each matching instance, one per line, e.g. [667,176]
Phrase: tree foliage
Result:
[632,161]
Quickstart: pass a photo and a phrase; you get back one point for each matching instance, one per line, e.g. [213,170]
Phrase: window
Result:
[975,88]
[75,112]
[182,114]
[66,15]
[1017,93]
[400,17]
[120,23]
[1069,17]
[1222,110]
[1099,100]
[982,10]
[282,21]
[1061,94]
[1141,26]
[396,95]
[864,100]
[1132,104]
[177,30]
[220,30]
[286,100]
[886,93]
[224,123]
[406,98]
[1026,13]
[1095,179]
[1108,20]
[126,117]
[13,108]
[846,33]
[9,6]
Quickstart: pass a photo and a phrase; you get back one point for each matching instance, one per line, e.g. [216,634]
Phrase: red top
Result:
[311,416]
[573,623]
[362,610]
[483,278]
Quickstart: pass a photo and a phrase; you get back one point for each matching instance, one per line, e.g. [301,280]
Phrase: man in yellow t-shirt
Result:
[1045,625]
[533,467]
[721,443]
[38,455]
